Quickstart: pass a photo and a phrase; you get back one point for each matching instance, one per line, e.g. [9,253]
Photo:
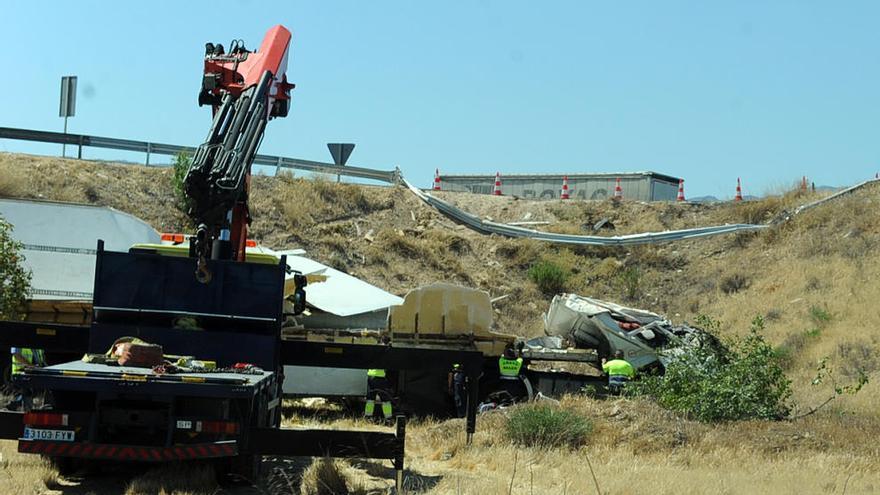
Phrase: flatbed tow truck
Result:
[216,303]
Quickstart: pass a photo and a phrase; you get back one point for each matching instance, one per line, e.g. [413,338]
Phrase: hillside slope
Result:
[814,280]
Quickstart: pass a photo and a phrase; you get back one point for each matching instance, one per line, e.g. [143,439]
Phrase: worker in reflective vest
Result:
[457,389]
[509,367]
[378,390]
[619,372]
[21,358]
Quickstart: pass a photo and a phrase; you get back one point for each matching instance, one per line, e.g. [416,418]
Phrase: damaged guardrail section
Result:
[487,227]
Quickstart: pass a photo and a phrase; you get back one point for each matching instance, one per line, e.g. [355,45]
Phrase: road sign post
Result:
[340,153]
[67,106]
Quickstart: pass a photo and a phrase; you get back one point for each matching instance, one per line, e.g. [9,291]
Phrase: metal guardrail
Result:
[394,176]
[834,196]
[279,162]
[487,227]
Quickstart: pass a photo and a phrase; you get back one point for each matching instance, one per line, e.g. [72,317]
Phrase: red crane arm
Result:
[245,89]
[241,69]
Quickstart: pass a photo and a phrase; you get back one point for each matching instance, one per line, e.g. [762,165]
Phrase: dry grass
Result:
[25,474]
[638,448]
[175,479]
[330,477]
[309,201]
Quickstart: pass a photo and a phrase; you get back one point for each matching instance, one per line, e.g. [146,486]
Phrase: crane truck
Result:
[215,307]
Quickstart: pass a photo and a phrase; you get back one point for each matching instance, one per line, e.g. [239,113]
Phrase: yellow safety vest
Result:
[619,367]
[509,367]
[32,356]
[376,373]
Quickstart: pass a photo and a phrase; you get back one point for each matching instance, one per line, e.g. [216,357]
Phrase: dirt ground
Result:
[813,279]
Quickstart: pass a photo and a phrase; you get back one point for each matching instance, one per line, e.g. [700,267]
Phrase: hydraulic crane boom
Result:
[245,90]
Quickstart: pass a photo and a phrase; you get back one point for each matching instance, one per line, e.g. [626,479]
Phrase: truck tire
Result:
[65,466]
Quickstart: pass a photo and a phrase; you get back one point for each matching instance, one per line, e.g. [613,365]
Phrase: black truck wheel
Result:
[65,466]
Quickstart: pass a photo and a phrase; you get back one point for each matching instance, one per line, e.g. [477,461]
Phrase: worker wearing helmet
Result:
[619,372]
[509,368]
[378,391]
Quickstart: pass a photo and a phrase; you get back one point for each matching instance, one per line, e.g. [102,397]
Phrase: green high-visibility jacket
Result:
[32,356]
[619,367]
[376,373]
[509,367]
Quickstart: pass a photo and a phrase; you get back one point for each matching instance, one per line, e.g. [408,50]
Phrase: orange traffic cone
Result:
[680,190]
[497,191]
[739,192]
[618,191]
[436,179]
[564,194]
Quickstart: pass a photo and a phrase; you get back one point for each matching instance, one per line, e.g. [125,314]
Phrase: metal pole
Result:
[64,145]
[473,387]
[149,148]
[399,457]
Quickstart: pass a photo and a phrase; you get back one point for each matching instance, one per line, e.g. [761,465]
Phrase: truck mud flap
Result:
[128,452]
[11,425]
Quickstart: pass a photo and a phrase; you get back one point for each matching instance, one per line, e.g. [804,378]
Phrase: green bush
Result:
[630,281]
[743,380]
[547,426]
[15,280]
[548,276]
[181,166]
[819,315]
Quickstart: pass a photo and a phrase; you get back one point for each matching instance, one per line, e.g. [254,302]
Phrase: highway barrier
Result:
[279,162]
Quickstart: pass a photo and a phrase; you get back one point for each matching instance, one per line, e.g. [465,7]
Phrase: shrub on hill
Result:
[547,426]
[181,166]
[548,276]
[743,380]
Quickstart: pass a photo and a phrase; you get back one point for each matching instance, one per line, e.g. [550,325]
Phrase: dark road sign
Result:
[340,152]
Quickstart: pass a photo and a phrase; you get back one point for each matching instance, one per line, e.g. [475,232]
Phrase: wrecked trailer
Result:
[648,340]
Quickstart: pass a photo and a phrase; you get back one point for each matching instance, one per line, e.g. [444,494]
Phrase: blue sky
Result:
[708,91]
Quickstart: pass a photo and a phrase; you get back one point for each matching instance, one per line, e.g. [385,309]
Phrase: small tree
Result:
[712,383]
[15,279]
[181,166]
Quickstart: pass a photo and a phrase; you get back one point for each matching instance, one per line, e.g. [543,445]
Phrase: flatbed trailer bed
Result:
[98,377]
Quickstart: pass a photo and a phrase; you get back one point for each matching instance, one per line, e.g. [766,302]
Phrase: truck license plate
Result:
[54,435]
